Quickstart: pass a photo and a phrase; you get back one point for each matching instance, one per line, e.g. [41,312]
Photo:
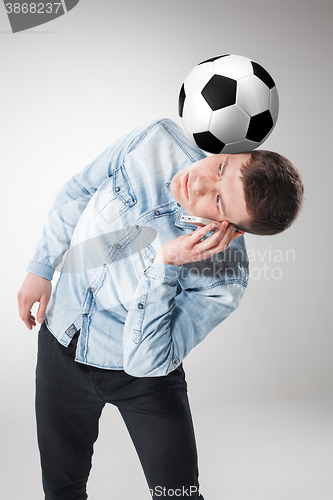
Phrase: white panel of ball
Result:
[229,124]
[233,66]
[197,114]
[253,95]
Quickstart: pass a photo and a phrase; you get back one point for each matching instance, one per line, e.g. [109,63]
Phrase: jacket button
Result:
[91,290]
[117,189]
[140,306]
[84,315]
[157,212]
[118,247]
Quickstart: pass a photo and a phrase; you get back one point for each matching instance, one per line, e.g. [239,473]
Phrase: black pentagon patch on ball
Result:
[220,92]
[261,73]
[208,142]
[181,101]
[213,59]
[260,125]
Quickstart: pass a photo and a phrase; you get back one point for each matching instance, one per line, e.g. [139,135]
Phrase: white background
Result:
[260,385]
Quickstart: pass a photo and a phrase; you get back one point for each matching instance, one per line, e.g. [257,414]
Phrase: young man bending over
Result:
[138,289]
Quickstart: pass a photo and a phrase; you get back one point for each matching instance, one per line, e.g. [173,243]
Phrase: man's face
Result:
[212,188]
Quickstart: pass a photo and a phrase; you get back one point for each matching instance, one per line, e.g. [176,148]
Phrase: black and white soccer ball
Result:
[228,104]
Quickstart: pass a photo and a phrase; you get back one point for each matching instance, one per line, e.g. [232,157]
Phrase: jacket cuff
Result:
[40,269]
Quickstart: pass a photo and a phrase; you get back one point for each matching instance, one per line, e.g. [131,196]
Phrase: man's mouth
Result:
[185,186]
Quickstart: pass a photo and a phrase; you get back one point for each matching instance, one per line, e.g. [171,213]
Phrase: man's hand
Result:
[190,248]
[33,289]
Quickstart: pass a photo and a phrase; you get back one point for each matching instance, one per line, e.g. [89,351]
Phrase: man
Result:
[138,289]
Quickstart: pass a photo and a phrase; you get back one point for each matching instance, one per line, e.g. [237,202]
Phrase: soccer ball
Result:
[228,104]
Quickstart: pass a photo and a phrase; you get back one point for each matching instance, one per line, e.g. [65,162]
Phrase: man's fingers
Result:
[41,309]
[225,241]
[25,314]
[34,289]
[227,238]
[220,232]
[200,232]
[218,242]
[214,239]
[24,308]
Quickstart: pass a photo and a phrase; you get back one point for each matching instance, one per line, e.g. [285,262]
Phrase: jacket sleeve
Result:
[162,327]
[71,202]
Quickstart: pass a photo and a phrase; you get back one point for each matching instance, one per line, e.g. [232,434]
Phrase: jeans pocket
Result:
[43,329]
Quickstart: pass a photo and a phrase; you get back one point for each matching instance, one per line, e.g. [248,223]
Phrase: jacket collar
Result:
[181,211]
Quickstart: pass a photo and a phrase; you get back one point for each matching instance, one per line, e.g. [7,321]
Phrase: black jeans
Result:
[69,400]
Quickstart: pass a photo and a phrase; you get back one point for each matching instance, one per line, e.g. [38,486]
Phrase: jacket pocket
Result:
[118,197]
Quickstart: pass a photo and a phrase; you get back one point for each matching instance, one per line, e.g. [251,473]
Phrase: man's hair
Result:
[273,192]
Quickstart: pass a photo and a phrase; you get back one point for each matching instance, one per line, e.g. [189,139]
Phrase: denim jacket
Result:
[103,233]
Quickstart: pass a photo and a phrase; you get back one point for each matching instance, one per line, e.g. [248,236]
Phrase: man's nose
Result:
[203,185]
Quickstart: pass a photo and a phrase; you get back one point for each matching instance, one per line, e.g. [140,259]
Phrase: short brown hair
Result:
[273,192]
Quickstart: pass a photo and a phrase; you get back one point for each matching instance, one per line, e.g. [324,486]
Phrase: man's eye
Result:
[218,200]
[220,168]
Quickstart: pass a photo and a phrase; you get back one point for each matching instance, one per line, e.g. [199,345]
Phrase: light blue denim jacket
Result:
[102,234]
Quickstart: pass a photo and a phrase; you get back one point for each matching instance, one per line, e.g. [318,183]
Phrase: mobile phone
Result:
[201,220]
